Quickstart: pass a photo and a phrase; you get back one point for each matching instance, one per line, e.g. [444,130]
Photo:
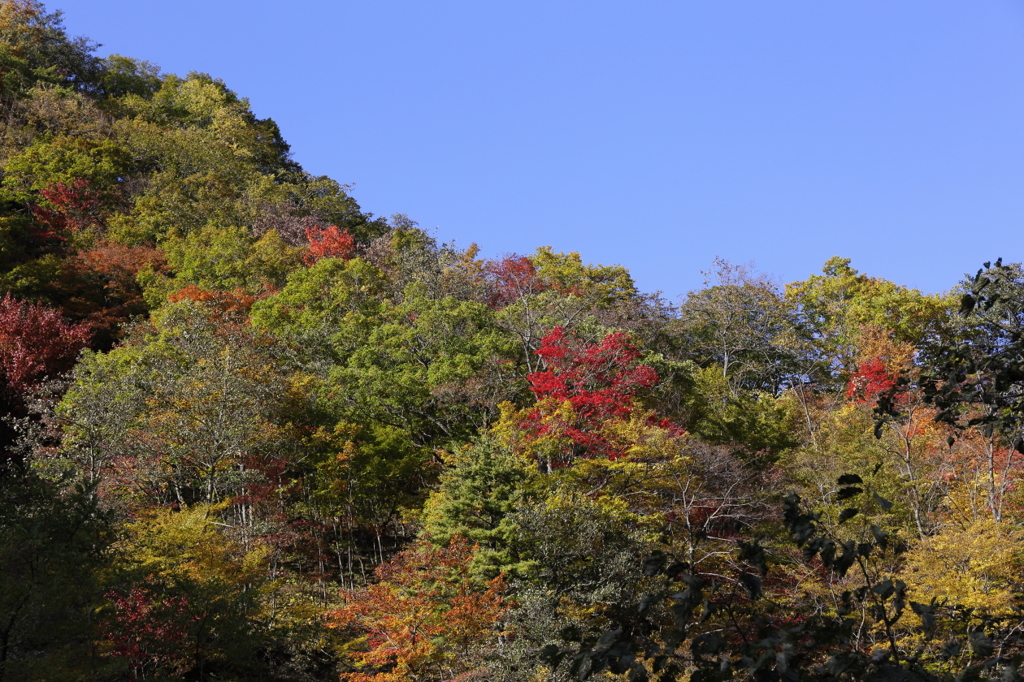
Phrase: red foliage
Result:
[35,343]
[71,208]
[328,242]
[599,382]
[870,380]
[511,278]
[147,631]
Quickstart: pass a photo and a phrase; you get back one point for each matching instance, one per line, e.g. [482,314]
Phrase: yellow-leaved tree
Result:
[185,599]
[972,567]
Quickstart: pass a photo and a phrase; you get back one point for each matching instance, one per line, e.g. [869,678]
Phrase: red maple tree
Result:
[69,208]
[35,343]
[598,382]
[509,279]
[871,379]
[148,631]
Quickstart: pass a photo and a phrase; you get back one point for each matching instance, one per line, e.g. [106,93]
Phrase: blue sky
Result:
[652,134]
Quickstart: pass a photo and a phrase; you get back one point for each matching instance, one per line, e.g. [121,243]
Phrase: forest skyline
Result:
[783,135]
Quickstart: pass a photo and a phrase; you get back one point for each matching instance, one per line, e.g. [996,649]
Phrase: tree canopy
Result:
[249,431]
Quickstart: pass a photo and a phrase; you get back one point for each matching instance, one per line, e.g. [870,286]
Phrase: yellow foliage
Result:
[877,342]
[648,476]
[188,545]
[567,274]
[976,567]
[968,500]
[547,441]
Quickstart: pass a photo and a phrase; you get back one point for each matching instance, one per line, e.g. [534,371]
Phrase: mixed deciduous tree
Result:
[188,601]
[191,409]
[838,305]
[741,325]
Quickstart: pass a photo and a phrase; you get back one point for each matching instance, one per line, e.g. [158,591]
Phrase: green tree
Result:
[837,306]
[63,160]
[229,258]
[584,575]
[120,76]
[757,423]
[742,325]
[193,408]
[430,367]
[480,488]
[34,47]
[52,542]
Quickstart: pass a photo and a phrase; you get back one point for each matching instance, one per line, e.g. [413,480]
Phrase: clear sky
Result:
[655,134]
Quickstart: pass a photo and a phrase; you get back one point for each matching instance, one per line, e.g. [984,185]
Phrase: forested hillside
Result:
[251,432]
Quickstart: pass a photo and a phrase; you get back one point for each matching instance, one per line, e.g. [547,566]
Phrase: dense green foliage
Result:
[250,432]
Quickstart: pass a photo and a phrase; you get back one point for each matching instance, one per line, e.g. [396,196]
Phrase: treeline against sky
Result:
[251,432]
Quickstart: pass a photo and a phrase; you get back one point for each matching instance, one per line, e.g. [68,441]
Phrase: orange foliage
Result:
[228,303]
[328,242]
[423,618]
[103,287]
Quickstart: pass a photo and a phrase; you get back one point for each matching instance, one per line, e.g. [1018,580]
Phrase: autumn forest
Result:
[249,431]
